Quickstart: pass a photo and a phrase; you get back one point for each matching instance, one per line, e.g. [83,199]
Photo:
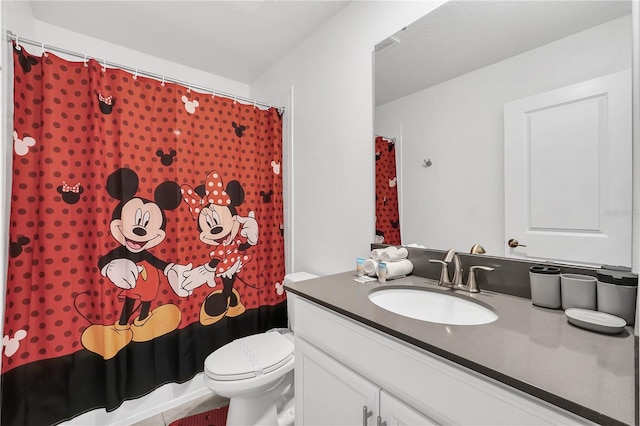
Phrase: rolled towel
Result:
[414,245]
[393,253]
[376,253]
[388,254]
[370,267]
[398,268]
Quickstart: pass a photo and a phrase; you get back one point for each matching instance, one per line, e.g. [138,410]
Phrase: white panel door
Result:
[328,393]
[568,173]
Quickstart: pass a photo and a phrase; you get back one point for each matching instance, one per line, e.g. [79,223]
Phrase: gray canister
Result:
[578,291]
[545,286]
[617,290]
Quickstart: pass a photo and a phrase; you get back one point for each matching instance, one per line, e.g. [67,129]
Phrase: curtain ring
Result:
[235,99]
[44,52]
[17,43]
[85,61]
[213,95]
[254,103]
[163,81]
[135,76]
[104,65]
[188,87]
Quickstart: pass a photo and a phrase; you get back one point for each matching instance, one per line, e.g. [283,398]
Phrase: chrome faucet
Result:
[445,281]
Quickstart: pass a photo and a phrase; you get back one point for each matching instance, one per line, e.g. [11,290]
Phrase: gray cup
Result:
[545,286]
[578,291]
[617,292]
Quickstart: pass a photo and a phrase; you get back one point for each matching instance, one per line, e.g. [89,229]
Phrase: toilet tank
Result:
[293,278]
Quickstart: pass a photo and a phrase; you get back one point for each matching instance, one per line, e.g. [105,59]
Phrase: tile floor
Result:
[200,405]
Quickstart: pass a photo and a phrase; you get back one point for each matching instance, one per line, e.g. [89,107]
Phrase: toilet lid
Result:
[249,357]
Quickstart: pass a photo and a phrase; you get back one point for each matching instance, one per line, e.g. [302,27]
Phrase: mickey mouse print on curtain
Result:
[387,215]
[145,232]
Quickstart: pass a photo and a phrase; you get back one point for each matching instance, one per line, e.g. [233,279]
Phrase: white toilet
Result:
[256,374]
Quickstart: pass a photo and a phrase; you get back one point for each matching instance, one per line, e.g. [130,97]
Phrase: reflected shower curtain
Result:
[387,216]
[145,232]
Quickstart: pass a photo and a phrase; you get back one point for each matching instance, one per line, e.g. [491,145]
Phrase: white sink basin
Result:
[432,306]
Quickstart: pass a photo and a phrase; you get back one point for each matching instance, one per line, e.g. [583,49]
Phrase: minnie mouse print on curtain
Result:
[145,232]
[387,215]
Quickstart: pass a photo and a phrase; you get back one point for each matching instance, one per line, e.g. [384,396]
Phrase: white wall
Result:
[458,124]
[332,189]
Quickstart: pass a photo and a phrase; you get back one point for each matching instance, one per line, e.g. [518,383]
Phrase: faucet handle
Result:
[444,274]
[472,285]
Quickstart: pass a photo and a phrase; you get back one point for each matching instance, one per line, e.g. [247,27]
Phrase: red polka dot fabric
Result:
[100,214]
[387,216]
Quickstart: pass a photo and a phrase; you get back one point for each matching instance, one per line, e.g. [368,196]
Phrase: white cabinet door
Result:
[328,393]
[568,173]
[395,413]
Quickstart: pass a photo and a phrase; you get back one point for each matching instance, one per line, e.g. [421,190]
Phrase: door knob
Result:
[513,243]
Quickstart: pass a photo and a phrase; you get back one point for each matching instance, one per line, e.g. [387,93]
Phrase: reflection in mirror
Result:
[387,213]
[452,89]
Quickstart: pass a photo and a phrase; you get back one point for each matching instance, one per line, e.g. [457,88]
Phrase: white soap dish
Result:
[595,321]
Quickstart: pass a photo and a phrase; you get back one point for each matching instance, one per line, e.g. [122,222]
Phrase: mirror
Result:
[441,86]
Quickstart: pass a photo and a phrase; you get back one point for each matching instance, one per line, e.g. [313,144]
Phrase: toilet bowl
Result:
[256,374]
[253,372]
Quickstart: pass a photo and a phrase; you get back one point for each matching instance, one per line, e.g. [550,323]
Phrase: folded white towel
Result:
[393,253]
[370,267]
[388,254]
[399,268]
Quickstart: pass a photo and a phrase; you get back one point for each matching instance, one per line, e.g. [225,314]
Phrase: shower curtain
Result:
[145,232]
[387,215]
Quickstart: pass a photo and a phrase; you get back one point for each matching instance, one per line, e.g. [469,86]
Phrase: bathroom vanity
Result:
[357,363]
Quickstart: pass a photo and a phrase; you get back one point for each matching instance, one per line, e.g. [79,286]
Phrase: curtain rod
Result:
[19,40]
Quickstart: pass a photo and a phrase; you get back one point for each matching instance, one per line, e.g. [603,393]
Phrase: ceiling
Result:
[463,36]
[238,40]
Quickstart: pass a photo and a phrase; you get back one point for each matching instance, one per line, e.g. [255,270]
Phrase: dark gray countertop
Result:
[529,348]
